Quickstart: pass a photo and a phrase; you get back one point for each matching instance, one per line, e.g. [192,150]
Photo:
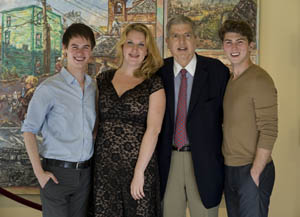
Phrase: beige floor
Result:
[9,208]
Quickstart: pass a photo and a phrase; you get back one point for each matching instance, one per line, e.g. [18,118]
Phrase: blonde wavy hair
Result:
[152,62]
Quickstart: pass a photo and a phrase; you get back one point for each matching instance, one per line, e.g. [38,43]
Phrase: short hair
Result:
[180,19]
[236,26]
[153,61]
[81,30]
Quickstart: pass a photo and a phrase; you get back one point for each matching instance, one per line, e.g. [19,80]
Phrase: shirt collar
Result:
[70,79]
[191,67]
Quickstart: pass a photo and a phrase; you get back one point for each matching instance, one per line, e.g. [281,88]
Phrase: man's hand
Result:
[255,176]
[261,158]
[44,177]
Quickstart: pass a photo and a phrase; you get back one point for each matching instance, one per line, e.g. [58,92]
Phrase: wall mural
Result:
[31,50]
[208,16]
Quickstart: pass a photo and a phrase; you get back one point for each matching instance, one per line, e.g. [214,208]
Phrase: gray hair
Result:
[180,19]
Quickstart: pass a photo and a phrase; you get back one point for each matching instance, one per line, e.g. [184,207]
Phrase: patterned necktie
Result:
[180,137]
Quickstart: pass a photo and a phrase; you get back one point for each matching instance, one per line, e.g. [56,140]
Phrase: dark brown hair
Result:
[78,29]
[235,26]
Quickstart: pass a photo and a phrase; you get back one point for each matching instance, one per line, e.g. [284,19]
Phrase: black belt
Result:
[183,148]
[67,164]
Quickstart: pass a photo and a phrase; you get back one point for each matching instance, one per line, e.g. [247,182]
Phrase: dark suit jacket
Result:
[204,127]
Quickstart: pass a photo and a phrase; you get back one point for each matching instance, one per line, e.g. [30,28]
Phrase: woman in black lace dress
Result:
[131,109]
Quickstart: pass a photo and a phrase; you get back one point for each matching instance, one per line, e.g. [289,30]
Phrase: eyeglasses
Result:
[185,36]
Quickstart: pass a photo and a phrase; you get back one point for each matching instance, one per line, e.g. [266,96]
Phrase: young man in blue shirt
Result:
[63,110]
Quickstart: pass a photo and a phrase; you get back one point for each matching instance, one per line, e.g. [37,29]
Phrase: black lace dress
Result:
[122,124]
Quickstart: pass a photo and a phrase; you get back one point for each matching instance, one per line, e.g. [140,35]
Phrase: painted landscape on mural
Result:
[31,51]
[209,16]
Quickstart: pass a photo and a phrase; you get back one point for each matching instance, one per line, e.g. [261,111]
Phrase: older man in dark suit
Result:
[189,148]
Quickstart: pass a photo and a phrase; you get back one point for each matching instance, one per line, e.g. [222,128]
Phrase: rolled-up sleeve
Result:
[38,108]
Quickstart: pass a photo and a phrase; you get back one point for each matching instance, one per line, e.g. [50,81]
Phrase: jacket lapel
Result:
[198,83]
[170,91]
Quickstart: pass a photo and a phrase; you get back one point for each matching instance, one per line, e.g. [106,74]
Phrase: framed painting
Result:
[31,51]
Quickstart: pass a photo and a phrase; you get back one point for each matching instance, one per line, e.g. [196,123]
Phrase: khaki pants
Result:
[182,192]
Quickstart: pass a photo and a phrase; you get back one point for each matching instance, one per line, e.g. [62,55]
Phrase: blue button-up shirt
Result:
[65,115]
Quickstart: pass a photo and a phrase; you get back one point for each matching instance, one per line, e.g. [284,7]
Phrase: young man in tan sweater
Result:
[249,127]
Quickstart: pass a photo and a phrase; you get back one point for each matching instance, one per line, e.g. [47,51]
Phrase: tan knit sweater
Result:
[250,116]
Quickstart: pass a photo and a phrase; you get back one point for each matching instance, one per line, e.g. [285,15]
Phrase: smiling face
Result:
[182,43]
[78,53]
[237,49]
[134,49]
